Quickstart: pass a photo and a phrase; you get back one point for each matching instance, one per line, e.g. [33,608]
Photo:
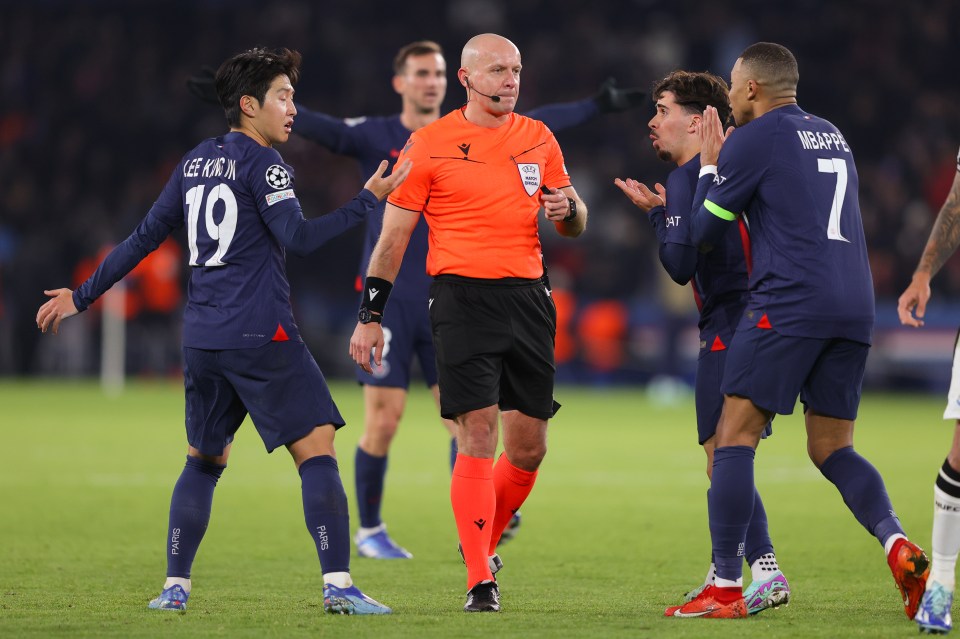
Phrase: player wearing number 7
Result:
[808,322]
[242,350]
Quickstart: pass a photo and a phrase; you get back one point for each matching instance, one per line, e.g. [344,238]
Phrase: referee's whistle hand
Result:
[555,206]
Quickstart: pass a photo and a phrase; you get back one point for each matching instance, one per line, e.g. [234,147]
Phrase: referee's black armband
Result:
[375,294]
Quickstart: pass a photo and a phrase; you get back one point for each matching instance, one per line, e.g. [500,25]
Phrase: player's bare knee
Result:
[819,451]
[381,429]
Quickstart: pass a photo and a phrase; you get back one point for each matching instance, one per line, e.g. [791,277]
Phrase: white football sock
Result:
[177,581]
[711,575]
[764,567]
[363,533]
[338,579]
[727,583]
[946,538]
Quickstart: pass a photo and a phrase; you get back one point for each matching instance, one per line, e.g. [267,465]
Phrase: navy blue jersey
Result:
[370,141]
[237,202]
[793,176]
[373,139]
[718,275]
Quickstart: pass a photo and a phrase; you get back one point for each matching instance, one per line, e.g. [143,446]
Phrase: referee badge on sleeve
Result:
[530,176]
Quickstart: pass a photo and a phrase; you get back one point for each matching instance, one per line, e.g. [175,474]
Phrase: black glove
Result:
[203,85]
[610,99]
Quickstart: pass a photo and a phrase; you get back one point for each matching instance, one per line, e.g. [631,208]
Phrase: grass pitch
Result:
[615,530]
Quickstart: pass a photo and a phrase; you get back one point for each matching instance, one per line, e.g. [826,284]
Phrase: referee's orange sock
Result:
[474,504]
[512,485]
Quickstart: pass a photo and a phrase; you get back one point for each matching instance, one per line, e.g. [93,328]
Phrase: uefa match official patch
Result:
[530,176]
[273,198]
[277,177]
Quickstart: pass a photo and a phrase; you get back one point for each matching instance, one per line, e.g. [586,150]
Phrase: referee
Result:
[480,176]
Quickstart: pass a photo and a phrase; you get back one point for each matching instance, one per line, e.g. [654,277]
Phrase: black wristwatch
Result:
[365,316]
[573,210]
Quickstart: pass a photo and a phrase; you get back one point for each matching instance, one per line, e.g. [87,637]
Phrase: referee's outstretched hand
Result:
[611,99]
[381,186]
[203,85]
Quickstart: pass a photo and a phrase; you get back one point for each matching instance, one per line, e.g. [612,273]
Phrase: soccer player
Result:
[241,346]
[420,78]
[719,281]
[481,174]
[809,319]
[934,613]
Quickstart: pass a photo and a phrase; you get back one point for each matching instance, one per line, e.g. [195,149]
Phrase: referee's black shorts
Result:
[495,344]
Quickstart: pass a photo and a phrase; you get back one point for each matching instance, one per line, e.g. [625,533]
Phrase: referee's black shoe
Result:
[484,597]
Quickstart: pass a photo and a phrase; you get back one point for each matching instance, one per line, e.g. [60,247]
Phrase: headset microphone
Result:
[493,98]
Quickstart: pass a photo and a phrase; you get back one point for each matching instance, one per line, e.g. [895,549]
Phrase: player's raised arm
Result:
[382,186]
[59,307]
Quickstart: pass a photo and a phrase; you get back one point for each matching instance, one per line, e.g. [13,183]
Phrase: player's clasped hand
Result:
[56,310]
[912,305]
[381,186]
[641,196]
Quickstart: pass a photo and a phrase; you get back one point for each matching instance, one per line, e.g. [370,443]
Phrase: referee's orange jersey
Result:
[479,190]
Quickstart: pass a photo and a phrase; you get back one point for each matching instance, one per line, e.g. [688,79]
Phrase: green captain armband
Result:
[719,211]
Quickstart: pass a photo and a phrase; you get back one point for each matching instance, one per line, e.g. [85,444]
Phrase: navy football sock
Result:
[325,512]
[758,541]
[454,449]
[863,491]
[729,512]
[189,514]
[369,473]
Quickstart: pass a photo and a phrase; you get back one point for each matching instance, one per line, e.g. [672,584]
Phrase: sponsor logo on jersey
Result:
[273,198]
[277,177]
[530,175]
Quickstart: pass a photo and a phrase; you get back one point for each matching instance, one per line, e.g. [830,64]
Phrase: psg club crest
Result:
[530,176]
[277,177]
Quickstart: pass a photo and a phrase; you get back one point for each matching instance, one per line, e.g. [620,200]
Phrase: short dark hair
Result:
[773,64]
[420,47]
[695,91]
[251,73]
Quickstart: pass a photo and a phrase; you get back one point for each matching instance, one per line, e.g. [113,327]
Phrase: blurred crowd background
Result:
[95,114]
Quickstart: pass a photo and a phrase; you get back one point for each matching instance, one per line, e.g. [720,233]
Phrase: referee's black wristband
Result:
[375,294]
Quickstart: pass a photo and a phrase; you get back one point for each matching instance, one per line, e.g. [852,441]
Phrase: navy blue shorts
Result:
[406,334]
[771,370]
[495,344]
[708,396]
[279,384]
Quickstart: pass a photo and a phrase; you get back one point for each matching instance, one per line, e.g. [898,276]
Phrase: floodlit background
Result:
[95,114]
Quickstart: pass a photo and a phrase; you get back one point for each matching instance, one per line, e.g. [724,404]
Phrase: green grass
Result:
[614,531]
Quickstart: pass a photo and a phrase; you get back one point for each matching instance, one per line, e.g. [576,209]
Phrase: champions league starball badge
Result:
[277,177]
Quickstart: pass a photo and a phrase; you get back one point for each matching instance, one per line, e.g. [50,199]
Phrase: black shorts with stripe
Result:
[495,344]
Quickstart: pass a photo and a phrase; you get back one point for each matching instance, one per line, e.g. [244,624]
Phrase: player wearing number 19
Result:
[808,323]
[241,346]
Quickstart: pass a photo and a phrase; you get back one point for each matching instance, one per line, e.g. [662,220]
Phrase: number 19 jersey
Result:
[793,176]
[225,192]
